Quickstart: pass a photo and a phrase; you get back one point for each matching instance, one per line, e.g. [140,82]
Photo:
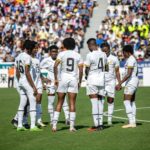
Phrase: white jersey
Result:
[35,71]
[113,63]
[131,63]
[70,60]
[48,64]
[23,60]
[96,61]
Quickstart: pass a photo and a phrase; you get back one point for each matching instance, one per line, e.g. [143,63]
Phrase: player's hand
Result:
[56,83]
[118,87]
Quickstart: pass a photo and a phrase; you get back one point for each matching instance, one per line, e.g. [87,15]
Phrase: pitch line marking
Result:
[147,121]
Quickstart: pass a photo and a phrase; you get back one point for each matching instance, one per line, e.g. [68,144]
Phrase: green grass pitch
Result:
[111,138]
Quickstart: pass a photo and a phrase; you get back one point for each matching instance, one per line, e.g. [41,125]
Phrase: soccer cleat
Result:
[129,126]
[14,123]
[67,122]
[36,129]
[41,124]
[72,129]
[21,129]
[92,129]
[27,126]
[100,127]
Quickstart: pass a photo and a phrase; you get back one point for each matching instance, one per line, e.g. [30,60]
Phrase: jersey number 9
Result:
[70,64]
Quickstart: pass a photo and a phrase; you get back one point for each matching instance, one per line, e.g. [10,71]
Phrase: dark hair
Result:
[69,43]
[52,47]
[29,45]
[105,44]
[91,40]
[128,48]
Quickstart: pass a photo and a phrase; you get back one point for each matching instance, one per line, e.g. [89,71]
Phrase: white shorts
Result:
[92,89]
[50,89]
[25,88]
[68,85]
[131,86]
[110,88]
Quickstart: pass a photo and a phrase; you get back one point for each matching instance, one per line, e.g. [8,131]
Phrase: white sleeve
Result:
[87,61]
[27,60]
[80,60]
[130,63]
[59,57]
[117,64]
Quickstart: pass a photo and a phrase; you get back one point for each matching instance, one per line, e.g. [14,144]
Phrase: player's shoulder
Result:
[132,59]
[113,57]
[35,60]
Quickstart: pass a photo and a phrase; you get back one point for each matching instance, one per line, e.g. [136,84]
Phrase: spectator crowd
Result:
[45,21]
[127,22]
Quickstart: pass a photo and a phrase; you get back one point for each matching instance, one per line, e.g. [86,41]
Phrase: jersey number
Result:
[100,64]
[70,64]
[20,66]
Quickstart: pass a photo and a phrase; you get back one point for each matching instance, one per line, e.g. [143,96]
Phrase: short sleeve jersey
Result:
[70,60]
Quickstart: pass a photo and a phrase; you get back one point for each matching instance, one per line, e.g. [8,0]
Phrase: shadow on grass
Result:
[78,127]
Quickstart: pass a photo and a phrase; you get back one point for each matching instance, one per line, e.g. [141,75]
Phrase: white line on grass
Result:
[106,114]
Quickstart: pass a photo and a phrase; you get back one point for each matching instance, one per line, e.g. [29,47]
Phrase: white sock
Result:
[23,101]
[72,119]
[55,118]
[110,111]
[16,117]
[128,108]
[20,118]
[38,113]
[133,112]
[94,102]
[33,118]
[51,106]
[66,109]
[101,109]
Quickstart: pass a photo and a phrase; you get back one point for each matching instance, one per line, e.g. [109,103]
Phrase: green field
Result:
[111,138]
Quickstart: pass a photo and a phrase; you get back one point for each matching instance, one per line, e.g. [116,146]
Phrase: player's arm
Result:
[28,75]
[127,76]
[80,73]
[17,74]
[118,74]
[87,69]
[57,62]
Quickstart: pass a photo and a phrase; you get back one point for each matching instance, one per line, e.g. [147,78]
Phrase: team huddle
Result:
[65,72]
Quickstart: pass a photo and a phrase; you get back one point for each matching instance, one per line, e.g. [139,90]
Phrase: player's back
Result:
[23,59]
[70,60]
[97,61]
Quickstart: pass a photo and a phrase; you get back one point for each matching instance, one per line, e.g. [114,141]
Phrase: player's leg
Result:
[66,110]
[72,110]
[51,98]
[92,92]
[133,105]
[39,109]
[110,101]
[25,115]
[101,98]
[60,102]
[110,92]
[23,101]
[100,111]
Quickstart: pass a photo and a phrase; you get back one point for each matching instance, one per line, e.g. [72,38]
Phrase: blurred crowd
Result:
[45,21]
[127,22]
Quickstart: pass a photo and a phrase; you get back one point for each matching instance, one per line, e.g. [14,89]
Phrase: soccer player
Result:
[36,77]
[27,87]
[48,64]
[110,79]
[131,84]
[71,71]
[95,63]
